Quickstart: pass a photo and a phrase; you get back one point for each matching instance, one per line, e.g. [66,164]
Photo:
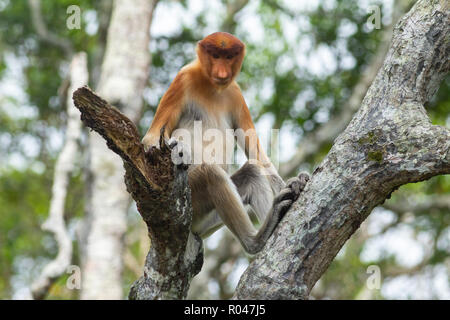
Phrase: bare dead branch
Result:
[162,195]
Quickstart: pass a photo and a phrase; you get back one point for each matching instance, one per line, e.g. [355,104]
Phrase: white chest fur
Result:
[209,136]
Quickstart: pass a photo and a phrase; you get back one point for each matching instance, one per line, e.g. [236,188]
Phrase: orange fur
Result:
[168,112]
[252,146]
[196,82]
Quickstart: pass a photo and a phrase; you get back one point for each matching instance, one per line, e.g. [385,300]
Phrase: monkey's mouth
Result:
[221,82]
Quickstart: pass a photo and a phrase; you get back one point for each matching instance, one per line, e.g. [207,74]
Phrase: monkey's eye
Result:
[229,56]
[215,56]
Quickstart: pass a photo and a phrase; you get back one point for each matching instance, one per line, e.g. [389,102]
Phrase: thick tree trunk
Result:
[389,142]
[123,77]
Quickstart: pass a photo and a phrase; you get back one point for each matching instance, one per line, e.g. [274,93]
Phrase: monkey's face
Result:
[221,56]
[221,69]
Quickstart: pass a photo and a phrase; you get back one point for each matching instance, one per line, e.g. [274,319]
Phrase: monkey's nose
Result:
[222,75]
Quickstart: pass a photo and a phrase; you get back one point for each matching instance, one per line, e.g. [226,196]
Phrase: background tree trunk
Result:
[124,73]
[63,169]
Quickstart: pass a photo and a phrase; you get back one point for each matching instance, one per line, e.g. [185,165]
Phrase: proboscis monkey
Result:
[204,96]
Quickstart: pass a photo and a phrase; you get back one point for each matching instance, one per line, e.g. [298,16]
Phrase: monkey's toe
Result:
[284,200]
[147,148]
[297,184]
[303,178]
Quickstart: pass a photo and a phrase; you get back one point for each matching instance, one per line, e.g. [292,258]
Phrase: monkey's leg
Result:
[212,188]
[254,189]
[219,189]
[205,219]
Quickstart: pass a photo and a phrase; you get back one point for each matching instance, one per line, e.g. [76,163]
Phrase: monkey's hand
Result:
[150,141]
[287,196]
[181,155]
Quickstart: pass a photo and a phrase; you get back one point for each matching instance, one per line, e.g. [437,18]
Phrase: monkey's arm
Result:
[254,190]
[248,140]
[168,113]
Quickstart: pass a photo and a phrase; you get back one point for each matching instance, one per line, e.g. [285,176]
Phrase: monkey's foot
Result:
[297,184]
[281,205]
[287,196]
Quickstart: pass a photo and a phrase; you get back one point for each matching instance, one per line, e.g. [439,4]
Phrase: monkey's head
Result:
[221,55]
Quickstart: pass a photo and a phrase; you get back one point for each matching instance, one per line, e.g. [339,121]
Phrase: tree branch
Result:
[417,206]
[233,8]
[42,31]
[162,195]
[315,140]
[389,142]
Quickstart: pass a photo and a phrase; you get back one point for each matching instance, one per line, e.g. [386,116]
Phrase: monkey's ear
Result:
[199,46]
